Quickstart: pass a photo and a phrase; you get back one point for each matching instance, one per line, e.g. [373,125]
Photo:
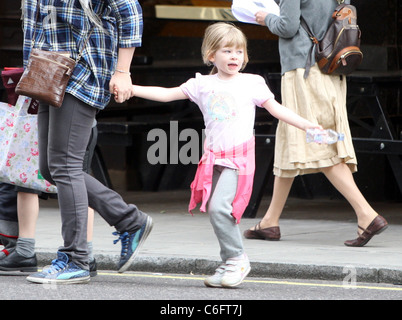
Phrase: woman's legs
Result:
[280,193]
[63,138]
[342,179]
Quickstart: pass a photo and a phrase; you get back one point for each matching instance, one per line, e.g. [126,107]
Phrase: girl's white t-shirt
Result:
[228,108]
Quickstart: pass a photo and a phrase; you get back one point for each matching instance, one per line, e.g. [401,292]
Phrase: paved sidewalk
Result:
[311,247]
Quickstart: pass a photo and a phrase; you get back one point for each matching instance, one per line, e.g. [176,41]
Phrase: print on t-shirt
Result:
[221,106]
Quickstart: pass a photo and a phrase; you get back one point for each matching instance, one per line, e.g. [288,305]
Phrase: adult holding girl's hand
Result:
[121,84]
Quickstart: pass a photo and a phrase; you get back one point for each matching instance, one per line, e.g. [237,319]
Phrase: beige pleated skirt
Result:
[321,99]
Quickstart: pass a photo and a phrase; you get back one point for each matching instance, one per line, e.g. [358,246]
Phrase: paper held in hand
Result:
[245,10]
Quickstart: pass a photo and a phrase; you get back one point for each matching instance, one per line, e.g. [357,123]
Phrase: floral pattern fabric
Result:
[19,155]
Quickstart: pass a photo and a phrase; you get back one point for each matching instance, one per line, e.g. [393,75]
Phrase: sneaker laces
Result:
[124,238]
[56,266]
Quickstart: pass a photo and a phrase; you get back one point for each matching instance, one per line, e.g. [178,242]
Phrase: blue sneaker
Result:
[131,243]
[61,271]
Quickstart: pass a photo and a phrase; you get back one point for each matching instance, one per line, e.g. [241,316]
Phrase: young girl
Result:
[227,100]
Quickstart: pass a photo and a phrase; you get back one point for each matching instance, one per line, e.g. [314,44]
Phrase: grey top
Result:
[294,42]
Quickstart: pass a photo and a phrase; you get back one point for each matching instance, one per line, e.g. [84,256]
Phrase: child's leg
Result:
[8,219]
[23,258]
[236,265]
[224,186]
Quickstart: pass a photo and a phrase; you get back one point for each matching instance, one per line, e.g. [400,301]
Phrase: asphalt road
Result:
[171,289]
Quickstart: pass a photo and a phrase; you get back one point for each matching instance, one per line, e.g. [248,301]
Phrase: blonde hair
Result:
[219,35]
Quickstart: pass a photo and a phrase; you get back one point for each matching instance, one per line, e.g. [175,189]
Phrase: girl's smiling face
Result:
[229,61]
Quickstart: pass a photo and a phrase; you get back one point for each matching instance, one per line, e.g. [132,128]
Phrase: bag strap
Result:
[307,28]
[315,43]
[34,34]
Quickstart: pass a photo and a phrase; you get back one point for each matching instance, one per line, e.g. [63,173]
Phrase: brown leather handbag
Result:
[46,77]
[47,74]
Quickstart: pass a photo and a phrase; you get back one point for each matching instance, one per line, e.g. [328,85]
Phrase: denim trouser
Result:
[63,138]
[224,187]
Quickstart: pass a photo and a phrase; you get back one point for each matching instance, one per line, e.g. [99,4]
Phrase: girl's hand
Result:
[313,126]
[116,93]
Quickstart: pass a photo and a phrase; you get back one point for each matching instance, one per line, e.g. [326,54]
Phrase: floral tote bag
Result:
[19,155]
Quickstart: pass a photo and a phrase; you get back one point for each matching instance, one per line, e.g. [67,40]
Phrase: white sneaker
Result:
[236,270]
[215,280]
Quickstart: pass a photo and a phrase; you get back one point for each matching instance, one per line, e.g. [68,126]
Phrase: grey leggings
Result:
[224,186]
[63,138]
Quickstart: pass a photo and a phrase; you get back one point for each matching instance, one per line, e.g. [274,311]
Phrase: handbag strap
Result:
[80,53]
[315,43]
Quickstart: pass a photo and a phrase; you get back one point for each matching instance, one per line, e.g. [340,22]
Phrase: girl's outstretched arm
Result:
[160,94]
[288,116]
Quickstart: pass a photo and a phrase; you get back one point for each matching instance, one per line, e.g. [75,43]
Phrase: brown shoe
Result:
[271,233]
[378,225]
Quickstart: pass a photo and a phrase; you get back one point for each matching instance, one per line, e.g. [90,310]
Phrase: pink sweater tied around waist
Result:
[243,157]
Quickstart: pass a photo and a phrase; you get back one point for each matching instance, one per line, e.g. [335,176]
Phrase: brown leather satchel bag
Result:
[47,73]
[339,51]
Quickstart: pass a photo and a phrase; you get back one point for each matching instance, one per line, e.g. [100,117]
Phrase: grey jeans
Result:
[63,138]
[224,187]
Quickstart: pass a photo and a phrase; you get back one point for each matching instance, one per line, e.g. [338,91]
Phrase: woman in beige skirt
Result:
[321,99]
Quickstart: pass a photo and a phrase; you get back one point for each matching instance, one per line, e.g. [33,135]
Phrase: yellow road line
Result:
[277,282]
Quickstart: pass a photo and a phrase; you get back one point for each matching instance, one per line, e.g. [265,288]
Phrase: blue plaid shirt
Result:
[63,26]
